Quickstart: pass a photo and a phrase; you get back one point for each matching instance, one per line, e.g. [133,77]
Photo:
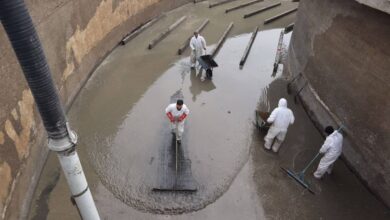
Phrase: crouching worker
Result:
[332,149]
[177,113]
[281,118]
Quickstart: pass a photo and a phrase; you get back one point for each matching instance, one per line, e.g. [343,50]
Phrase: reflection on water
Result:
[199,83]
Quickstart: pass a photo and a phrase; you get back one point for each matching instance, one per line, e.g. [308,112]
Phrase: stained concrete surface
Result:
[381,5]
[120,120]
[342,48]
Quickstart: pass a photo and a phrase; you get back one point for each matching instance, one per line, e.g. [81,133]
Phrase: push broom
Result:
[300,176]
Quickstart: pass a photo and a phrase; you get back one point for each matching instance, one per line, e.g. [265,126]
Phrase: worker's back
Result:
[336,143]
[281,117]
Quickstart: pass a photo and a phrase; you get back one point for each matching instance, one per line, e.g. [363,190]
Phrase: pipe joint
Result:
[65,143]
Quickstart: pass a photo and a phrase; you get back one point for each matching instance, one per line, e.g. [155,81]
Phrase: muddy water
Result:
[124,147]
[119,117]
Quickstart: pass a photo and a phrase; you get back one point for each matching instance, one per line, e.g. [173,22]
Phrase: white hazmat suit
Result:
[281,118]
[178,118]
[197,44]
[332,149]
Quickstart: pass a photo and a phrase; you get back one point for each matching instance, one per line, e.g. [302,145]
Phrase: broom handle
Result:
[177,124]
[311,162]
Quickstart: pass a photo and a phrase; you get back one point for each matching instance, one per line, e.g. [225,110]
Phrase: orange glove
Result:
[170,116]
[182,117]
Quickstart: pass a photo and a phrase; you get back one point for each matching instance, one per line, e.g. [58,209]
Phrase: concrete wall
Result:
[382,5]
[76,36]
[343,49]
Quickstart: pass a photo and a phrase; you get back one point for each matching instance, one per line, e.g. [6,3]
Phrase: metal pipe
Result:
[197,1]
[242,5]
[139,30]
[276,17]
[248,47]
[24,39]
[220,3]
[166,32]
[261,10]
[222,40]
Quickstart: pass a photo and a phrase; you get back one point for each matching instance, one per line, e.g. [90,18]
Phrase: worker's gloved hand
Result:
[170,116]
[182,117]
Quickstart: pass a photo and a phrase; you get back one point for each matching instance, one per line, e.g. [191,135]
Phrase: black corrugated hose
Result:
[21,32]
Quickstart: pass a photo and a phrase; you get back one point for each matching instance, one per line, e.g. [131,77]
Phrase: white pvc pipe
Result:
[78,185]
[73,172]
[70,163]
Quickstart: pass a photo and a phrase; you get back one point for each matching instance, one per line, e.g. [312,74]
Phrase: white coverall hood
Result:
[282,103]
[281,117]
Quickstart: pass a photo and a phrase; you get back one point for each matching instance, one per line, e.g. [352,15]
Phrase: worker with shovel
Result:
[177,113]
[281,118]
[332,149]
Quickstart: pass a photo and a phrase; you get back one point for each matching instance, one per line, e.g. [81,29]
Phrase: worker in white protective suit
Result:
[198,46]
[177,113]
[332,149]
[281,118]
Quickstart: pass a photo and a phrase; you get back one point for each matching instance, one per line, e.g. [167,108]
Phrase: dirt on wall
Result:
[342,49]
[76,36]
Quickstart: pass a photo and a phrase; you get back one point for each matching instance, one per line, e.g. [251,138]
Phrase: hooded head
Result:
[282,103]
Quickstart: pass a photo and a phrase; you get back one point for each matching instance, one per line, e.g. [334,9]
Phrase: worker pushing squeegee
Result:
[331,149]
[177,113]
[178,179]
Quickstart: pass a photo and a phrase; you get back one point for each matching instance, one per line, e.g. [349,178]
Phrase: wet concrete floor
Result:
[120,119]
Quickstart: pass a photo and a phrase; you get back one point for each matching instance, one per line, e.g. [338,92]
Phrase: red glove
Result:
[170,116]
[182,117]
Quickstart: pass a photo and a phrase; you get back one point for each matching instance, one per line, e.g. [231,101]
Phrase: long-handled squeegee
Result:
[300,176]
[178,176]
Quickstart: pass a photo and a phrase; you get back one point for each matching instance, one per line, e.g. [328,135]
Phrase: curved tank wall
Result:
[76,36]
[343,50]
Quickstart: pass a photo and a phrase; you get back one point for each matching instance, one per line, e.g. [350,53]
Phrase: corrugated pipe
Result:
[20,30]
[24,39]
